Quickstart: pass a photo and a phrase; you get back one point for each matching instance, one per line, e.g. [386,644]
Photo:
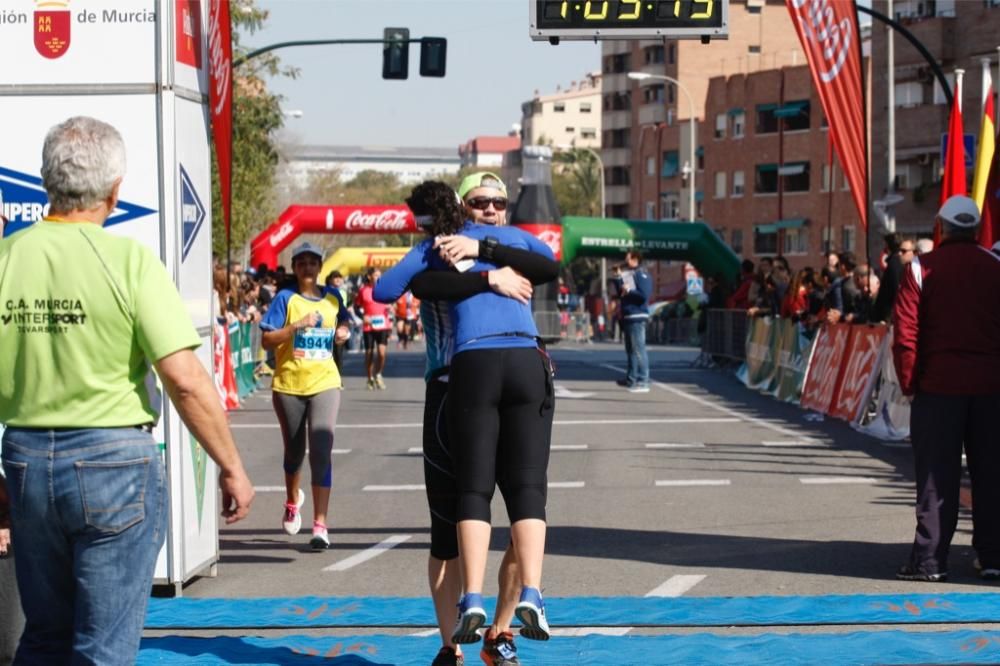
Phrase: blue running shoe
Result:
[531,612]
[471,617]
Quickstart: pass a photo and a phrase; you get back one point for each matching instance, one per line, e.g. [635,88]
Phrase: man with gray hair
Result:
[83,314]
[946,349]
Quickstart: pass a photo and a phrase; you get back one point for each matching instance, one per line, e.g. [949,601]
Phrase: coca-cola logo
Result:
[219,60]
[281,233]
[386,220]
[820,27]
[552,238]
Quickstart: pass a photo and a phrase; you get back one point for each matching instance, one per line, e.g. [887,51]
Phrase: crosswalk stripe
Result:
[676,586]
[681,483]
[369,553]
[826,480]
[675,445]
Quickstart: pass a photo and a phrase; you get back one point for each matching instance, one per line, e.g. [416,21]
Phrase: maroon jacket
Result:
[947,333]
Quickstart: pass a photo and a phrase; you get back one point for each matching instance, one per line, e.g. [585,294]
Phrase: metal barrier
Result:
[725,334]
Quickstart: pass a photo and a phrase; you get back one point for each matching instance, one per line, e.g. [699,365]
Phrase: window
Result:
[619,175]
[618,64]
[570,130]
[699,158]
[619,101]
[671,53]
[753,49]
[794,115]
[619,210]
[737,241]
[796,241]
[670,94]
[699,210]
[739,122]
[670,206]
[653,93]
[720,184]
[650,210]
[824,185]
[796,176]
[828,244]
[650,166]
[844,185]
[588,133]
[585,107]
[737,183]
[939,97]
[654,55]
[766,179]
[559,107]
[767,122]
[847,239]
[671,164]
[910,93]
[720,126]
[765,242]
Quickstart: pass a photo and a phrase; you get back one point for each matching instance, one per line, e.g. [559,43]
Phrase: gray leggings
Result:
[316,414]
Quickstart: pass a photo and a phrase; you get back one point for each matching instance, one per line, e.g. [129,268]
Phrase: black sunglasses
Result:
[482,203]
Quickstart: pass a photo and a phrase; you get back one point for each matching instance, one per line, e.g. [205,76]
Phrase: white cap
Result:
[960,211]
[305,247]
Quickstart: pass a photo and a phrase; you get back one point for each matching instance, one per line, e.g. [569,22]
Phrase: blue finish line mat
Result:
[291,612]
[882,647]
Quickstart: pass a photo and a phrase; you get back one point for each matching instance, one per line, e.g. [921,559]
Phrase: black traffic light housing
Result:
[395,53]
[433,52]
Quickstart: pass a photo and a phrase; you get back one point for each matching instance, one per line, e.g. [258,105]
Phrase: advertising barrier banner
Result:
[892,412]
[824,367]
[792,359]
[758,369]
[861,365]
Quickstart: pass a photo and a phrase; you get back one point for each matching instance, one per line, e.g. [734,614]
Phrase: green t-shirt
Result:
[82,314]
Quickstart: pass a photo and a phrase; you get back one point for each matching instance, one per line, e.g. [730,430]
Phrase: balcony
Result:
[654,112]
[935,33]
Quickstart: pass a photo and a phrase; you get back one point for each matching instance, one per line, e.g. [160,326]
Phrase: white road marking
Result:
[570,447]
[369,553]
[415,449]
[794,443]
[683,483]
[340,452]
[563,392]
[566,484]
[599,631]
[676,586]
[708,403]
[825,480]
[391,426]
[269,489]
[405,486]
[675,445]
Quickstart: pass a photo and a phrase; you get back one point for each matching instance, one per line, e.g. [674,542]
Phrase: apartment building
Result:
[567,117]
[647,138]
[958,34]
[767,177]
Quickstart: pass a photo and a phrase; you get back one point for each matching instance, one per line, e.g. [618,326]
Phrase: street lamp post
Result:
[642,76]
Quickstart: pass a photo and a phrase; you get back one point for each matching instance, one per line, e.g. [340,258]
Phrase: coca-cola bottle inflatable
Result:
[537,212]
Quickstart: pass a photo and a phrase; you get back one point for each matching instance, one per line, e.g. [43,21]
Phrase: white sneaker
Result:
[320,539]
[379,382]
[638,388]
[292,520]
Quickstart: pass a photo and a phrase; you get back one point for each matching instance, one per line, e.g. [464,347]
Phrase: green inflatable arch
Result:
[684,241]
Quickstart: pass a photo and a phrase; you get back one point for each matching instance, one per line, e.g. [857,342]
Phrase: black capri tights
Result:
[317,416]
[500,409]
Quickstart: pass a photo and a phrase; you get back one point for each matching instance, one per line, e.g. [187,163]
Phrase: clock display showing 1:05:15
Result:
[623,11]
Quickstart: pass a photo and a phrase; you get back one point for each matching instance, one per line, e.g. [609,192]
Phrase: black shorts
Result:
[375,338]
[439,473]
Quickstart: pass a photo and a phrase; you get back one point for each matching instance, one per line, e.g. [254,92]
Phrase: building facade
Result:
[570,117]
[410,165]
[958,34]
[487,151]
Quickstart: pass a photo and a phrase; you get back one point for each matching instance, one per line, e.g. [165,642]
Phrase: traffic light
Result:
[395,53]
[432,56]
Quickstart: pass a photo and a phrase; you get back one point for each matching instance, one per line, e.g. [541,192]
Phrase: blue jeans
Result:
[635,350]
[89,516]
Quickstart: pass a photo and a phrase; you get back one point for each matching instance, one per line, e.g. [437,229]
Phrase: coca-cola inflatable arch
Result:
[298,220]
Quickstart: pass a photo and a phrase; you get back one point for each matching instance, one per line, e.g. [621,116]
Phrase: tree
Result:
[576,183]
[256,115]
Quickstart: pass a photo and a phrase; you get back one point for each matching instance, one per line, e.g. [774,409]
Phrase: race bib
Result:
[313,344]
[378,321]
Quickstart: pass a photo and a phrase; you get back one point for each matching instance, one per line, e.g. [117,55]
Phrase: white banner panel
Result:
[76,42]
[193,178]
[24,200]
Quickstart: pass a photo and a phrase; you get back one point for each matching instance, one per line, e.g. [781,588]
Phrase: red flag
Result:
[220,46]
[828,30]
[953,180]
[989,228]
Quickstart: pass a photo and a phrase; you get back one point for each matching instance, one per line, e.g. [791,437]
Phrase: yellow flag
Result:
[987,141]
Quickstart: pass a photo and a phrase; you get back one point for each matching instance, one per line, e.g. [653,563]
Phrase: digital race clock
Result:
[629,19]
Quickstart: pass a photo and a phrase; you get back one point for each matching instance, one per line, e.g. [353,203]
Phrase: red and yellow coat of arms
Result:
[52,27]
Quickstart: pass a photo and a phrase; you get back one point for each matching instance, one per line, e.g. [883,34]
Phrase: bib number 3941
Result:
[313,344]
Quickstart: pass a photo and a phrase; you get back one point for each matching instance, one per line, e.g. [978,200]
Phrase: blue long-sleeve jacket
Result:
[484,321]
[634,302]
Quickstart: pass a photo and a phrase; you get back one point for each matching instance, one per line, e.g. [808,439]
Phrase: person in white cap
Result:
[946,349]
[302,326]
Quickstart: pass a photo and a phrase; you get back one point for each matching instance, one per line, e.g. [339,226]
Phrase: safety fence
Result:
[725,334]
[236,349]
[843,370]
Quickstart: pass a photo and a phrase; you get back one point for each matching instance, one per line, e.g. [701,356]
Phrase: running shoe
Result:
[320,539]
[447,656]
[638,388]
[292,520]
[499,650]
[986,573]
[379,382]
[910,572]
[623,382]
[371,384]
[471,617]
[531,612]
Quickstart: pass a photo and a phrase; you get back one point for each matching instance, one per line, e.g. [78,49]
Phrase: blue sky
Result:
[493,66]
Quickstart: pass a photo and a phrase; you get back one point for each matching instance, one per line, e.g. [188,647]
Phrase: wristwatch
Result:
[487,247]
